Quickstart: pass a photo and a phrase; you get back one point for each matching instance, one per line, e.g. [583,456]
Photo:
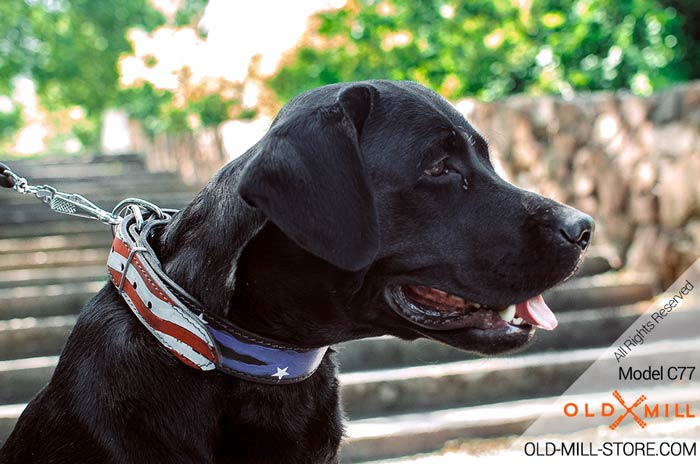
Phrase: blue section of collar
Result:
[239,354]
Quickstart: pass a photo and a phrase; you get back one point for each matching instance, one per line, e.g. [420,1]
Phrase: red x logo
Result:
[628,410]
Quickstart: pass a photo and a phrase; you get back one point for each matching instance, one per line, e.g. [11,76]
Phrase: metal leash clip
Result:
[73,204]
[77,205]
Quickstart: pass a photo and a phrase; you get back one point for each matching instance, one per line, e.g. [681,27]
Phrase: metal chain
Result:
[74,204]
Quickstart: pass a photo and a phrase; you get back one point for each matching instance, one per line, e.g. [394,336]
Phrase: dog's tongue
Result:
[536,312]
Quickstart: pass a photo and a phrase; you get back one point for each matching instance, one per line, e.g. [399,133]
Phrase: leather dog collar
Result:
[178,321]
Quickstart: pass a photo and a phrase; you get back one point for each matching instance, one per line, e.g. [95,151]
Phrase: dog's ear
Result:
[308,177]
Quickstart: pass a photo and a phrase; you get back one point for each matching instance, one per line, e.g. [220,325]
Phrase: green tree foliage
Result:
[689,16]
[486,48]
[493,48]
[157,112]
[10,120]
[147,104]
[70,49]
[190,12]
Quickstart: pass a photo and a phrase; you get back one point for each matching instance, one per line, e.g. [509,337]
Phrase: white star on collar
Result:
[281,373]
[201,318]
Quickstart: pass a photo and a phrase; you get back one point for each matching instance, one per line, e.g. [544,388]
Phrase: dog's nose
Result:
[577,228]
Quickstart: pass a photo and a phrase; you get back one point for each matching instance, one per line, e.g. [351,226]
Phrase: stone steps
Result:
[91,172]
[407,434]
[462,383]
[21,379]
[47,300]
[596,291]
[10,279]
[31,337]
[403,376]
[53,258]
[8,417]
[33,166]
[38,229]
[75,241]
[411,433]
[595,264]
[417,388]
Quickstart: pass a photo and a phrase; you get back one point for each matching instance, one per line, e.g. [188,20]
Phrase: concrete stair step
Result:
[74,241]
[54,258]
[51,276]
[22,379]
[39,229]
[8,417]
[595,291]
[594,264]
[85,171]
[47,300]
[408,434]
[391,391]
[461,383]
[36,165]
[31,337]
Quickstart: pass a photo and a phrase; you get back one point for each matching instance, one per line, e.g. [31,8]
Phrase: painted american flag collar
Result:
[178,321]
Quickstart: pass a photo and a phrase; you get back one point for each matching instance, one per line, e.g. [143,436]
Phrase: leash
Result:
[72,203]
[175,318]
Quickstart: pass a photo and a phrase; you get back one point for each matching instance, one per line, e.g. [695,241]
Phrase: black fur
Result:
[297,241]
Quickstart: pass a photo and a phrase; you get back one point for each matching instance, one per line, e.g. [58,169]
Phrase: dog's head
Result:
[385,186]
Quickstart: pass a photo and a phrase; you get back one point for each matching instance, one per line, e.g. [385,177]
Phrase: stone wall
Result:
[195,156]
[632,163]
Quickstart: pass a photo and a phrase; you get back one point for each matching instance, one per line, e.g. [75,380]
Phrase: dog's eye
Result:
[438,169]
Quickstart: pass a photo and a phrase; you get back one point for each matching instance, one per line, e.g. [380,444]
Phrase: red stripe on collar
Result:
[182,335]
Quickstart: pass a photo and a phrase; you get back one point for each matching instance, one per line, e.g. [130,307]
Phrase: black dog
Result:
[368,208]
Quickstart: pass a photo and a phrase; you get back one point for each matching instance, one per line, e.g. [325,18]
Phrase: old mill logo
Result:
[637,411]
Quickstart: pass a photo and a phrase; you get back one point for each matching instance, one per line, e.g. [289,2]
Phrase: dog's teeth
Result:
[518,321]
[477,305]
[507,314]
[439,292]
[456,300]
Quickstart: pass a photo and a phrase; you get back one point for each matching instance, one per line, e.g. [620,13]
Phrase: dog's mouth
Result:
[445,315]
[438,310]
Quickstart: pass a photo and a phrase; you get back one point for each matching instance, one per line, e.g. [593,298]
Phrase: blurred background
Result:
[593,102]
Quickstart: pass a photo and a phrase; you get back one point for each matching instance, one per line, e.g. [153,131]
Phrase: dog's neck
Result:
[239,265]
